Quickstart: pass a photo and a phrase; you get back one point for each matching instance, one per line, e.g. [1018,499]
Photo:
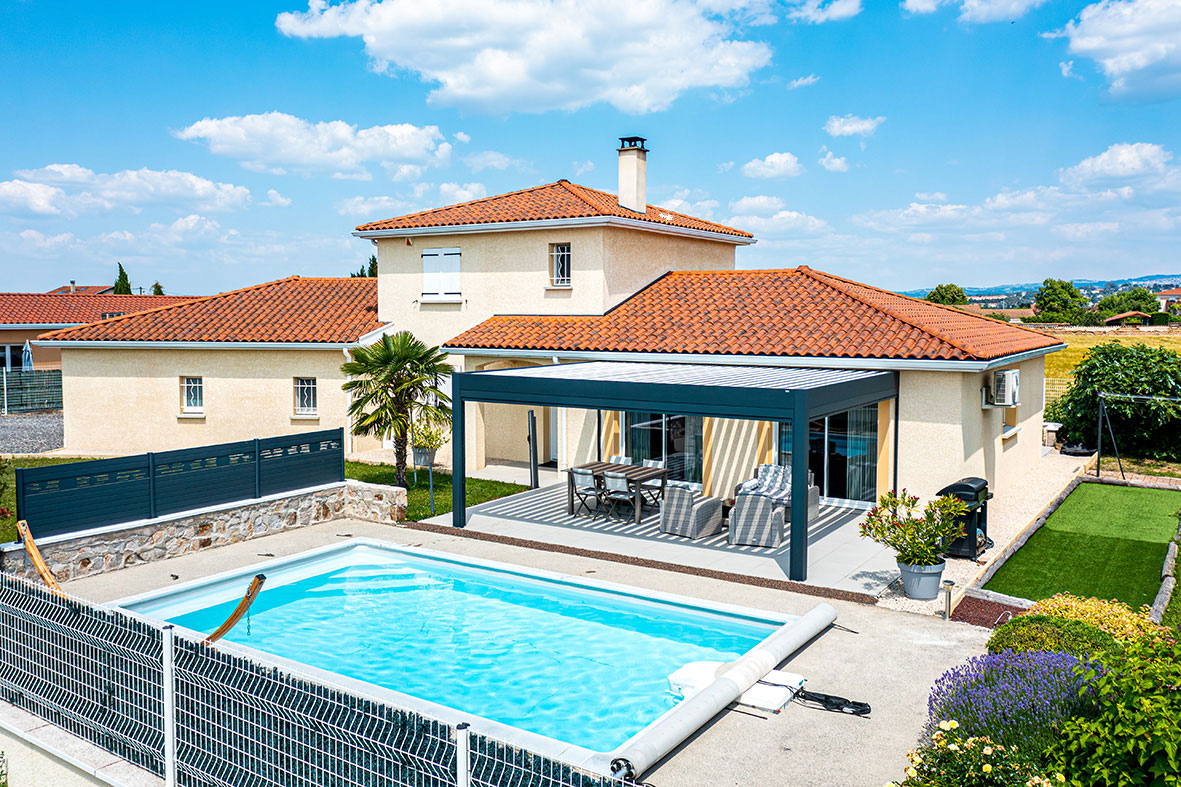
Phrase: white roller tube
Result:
[642,752]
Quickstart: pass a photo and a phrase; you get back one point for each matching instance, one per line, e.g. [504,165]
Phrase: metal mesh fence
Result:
[1056,387]
[94,672]
[32,390]
[99,674]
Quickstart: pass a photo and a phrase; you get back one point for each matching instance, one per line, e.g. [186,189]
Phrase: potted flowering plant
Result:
[919,542]
[425,439]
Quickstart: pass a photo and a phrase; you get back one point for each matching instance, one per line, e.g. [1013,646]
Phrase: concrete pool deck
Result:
[889,659]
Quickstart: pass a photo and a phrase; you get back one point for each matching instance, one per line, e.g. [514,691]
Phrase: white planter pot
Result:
[424,457]
[921,582]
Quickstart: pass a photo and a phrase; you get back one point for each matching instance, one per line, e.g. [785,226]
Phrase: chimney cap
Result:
[632,142]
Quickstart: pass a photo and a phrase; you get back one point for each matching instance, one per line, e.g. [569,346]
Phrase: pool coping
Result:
[599,762]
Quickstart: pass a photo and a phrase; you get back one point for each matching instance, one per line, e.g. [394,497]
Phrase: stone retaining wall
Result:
[179,534]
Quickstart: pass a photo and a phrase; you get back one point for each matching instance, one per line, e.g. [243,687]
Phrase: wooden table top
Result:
[633,472]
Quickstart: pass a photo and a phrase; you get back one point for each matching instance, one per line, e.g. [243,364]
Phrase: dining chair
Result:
[586,489]
[616,491]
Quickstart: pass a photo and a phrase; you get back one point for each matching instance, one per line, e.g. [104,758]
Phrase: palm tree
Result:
[394,381]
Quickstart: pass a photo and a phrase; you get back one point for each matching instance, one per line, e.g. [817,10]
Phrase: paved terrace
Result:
[837,555]
[889,659]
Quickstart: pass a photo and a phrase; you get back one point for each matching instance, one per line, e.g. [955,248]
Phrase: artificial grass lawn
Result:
[1103,541]
[418,501]
[8,499]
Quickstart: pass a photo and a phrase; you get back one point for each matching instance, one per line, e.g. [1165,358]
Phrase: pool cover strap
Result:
[833,703]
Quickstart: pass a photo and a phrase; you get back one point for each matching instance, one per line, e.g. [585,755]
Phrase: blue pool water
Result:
[582,666]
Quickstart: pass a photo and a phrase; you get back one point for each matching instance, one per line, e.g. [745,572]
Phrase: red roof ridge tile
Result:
[166,307]
[429,211]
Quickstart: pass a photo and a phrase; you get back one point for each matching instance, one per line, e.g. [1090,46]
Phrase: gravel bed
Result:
[30,433]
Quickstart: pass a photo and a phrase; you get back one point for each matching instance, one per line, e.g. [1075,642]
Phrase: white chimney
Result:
[633,174]
[71,285]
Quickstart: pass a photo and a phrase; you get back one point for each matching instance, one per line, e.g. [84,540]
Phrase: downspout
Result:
[348,424]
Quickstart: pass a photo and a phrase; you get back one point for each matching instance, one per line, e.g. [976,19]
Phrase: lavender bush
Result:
[1013,698]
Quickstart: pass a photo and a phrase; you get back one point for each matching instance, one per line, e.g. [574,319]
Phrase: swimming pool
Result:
[579,662]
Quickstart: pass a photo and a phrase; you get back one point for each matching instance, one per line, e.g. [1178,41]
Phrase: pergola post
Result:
[799,487]
[458,460]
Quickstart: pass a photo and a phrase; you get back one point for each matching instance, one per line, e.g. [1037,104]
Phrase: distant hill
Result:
[1170,279]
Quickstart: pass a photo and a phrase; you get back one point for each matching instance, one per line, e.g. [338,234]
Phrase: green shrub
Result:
[1043,632]
[1160,318]
[1148,429]
[1133,735]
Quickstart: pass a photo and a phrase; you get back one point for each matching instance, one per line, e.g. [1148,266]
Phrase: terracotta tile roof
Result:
[294,309]
[83,289]
[1124,316]
[786,312]
[29,308]
[975,308]
[561,200]
[1169,293]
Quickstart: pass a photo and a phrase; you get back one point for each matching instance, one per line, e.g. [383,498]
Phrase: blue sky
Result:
[212,146]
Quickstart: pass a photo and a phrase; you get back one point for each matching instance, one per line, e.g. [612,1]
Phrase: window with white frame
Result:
[559,264]
[305,395]
[192,395]
[440,274]
[111,315]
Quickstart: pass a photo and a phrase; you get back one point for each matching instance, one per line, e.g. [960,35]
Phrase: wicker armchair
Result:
[774,482]
[755,520]
[684,514]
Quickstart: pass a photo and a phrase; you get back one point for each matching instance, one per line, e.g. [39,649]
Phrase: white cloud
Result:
[41,190]
[783,222]
[832,163]
[725,166]
[460,136]
[21,196]
[1086,230]
[799,82]
[930,196]
[583,167]
[1067,69]
[775,165]
[977,10]
[693,202]
[384,207]
[1137,44]
[538,55]
[451,193]
[1120,161]
[848,125]
[761,205]
[275,141]
[276,199]
[488,159]
[818,11]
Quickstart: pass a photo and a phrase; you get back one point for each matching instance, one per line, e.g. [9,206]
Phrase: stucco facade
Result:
[43,357]
[118,401]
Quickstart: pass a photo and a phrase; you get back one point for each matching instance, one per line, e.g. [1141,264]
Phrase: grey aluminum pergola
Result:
[757,393]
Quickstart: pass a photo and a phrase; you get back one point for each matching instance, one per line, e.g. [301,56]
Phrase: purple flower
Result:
[1013,698]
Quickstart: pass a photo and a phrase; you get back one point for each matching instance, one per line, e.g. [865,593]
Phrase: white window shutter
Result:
[431,283]
[449,271]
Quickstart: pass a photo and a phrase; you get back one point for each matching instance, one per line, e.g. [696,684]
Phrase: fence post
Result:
[463,760]
[169,707]
[151,485]
[6,391]
[342,476]
[257,470]
[20,492]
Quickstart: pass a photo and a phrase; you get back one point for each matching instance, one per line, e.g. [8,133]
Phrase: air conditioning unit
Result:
[1006,386]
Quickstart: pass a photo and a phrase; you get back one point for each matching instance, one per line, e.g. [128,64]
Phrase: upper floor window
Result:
[109,315]
[192,395]
[305,395]
[440,274]
[559,264]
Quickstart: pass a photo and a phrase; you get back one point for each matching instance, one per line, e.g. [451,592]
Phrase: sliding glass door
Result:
[678,440]
[842,453]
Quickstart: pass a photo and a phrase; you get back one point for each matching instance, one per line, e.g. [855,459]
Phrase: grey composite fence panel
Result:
[205,476]
[76,496]
[298,461]
[68,498]
[242,723]
[33,390]
[91,671]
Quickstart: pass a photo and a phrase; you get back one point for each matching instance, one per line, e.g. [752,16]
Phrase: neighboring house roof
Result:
[292,310]
[793,312]
[560,200]
[1175,292]
[84,289]
[1124,316]
[50,310]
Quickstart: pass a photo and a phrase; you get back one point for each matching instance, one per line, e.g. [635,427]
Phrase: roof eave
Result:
[542,224]
[40,326]
[822,362]
[99,344]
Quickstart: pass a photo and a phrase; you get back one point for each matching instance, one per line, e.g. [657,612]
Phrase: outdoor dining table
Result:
[636,475]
